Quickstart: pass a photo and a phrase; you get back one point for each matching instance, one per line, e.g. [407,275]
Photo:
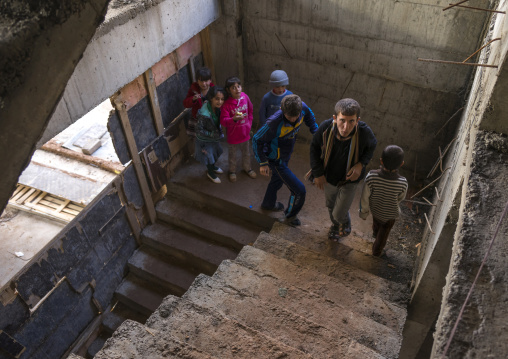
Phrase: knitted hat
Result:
[279,78]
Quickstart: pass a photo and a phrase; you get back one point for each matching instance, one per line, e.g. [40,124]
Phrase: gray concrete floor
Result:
[22,232]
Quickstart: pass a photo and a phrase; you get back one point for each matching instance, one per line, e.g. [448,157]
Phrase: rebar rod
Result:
[457,63]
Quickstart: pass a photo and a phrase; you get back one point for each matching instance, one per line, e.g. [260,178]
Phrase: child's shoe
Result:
[291,221]
[213,179]
[251,174]
[277,208]
[217,169]
[232,176]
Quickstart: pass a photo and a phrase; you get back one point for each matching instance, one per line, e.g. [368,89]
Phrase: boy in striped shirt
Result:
[384,189]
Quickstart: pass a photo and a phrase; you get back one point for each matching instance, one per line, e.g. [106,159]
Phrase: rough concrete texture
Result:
[218,335]
[41,44]
[138,341]
[485,104]
[234,286]
[481,332]
[362,49]
[327,265]
[309,333]
[357,293]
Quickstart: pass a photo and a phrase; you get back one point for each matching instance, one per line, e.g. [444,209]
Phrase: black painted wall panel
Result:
[131,188]
[142,123]
[118,137]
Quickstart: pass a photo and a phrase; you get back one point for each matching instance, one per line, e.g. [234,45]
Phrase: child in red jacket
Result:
[236,116]
[196,96]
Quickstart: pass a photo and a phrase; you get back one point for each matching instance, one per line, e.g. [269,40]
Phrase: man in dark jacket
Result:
[340,150]
[273,145]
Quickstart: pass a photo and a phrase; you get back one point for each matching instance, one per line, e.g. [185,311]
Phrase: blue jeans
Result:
[281,174]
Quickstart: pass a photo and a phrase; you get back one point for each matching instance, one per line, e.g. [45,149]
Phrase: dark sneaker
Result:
[293,221]
[277,208]
[333,233]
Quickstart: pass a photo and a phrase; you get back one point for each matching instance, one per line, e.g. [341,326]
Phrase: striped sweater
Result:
[381,195]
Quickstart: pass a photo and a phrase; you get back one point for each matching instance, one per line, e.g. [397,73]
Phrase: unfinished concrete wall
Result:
[472,188]
[39,49]
[482,330]
[367,50]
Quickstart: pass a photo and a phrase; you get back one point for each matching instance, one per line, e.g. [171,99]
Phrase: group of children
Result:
[214,107]
[234,113]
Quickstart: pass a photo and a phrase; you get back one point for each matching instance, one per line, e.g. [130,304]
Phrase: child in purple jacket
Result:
[236,117]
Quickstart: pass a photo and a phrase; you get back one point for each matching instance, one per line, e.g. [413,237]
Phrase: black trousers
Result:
[381,230]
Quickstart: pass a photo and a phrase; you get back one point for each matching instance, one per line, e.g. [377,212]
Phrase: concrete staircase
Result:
[187,240]
[287,294]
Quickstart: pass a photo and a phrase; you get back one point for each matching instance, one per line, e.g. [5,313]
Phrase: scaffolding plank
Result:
[35,194]
[70,211]
[27,194]
[20,193]
[41,196]
[19,187]
[75,206]
[62,206]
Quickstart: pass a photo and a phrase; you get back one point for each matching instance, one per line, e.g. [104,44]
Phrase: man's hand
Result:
[264,170]
[320,182]
[355,172]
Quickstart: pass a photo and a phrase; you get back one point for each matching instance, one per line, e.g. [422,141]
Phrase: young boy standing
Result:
[384,189]
[273,145]
[271,100]
[196,96]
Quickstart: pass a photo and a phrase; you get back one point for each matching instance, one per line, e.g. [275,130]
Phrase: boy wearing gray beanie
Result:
[271,101]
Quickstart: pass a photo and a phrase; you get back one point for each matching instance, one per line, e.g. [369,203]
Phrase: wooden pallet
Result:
[32,200]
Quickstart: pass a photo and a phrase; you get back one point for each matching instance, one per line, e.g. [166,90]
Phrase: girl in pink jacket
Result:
[236,118]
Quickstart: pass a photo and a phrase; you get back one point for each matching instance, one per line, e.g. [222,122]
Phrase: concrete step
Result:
[160,271]
[303,321]
[228,230]
[214,197]
[397,267]
[138,296]
[216,334]
[94,348]
[186,247]
[367,295]
[135,341]
[267,288]
[346,273]
[112,320]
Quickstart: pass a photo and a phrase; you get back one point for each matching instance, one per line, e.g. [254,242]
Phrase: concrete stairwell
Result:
[188,239]
[280,297]
[289,293]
